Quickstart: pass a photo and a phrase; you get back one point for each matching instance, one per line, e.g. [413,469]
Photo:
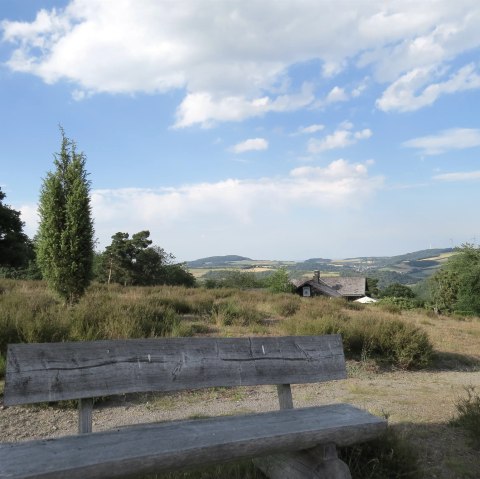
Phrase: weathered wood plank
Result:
[180,444]
[73,370]
[285,399]
[85,411]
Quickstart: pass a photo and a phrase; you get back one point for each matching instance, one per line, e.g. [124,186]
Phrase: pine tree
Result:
[65,237]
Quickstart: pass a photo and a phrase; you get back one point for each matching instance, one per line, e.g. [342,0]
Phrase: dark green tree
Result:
[65,236]
[231,279]
[16,249]
[456,287]
[135,261]
[443,287]
[116,261]
[178,275]
[372,289]
[397,290]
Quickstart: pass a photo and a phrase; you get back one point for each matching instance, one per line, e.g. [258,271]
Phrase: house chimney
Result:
[316,276]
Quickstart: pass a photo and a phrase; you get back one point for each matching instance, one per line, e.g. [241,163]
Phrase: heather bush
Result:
[287,304]
[230,312]
[30,313]
[395,341]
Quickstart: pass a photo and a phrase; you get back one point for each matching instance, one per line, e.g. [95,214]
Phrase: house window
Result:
[306,291]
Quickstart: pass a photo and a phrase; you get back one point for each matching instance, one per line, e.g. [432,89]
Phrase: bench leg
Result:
[320,462]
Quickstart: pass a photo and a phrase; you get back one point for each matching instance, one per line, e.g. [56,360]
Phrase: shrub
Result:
[287,305]
[400,303]
[279,282]
[231,312]
[401,343]
[468,415]
[389,307]
[397,290]
[30,316]
[397,342]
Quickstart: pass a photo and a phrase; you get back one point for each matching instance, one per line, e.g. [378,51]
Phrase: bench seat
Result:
[175,445]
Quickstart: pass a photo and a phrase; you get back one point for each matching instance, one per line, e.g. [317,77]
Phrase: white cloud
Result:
[459,176]
[360,88]
[346,125]
[154,47]
[413,91]
[308,130]
[252,144]
[341,138]
[29,215]
[206,109]
[363,134]
[339,185]
[332,68]
[336,94]
[446,140]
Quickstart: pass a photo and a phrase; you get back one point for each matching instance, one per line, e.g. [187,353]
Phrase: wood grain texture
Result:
[85,410]
[175,445]
[285,399]
[74,370]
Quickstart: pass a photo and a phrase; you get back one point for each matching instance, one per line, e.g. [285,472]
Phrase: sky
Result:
[273,129]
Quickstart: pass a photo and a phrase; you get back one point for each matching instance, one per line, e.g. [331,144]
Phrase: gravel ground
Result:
[420,404]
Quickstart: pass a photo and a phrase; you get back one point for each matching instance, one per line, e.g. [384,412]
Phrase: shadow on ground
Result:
[443,361]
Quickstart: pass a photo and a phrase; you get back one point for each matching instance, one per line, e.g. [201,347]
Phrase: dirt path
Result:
[420,404]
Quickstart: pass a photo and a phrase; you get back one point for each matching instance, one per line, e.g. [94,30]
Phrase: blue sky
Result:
[272,129]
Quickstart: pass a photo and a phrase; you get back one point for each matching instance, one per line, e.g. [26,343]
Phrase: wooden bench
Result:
[84,370]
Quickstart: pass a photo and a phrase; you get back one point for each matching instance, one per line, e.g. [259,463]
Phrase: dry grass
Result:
[420,404]
[455,340]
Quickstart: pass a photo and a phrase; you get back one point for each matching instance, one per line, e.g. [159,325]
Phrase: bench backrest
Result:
[76,370]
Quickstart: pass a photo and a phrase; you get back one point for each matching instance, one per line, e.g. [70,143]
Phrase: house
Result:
[335,287]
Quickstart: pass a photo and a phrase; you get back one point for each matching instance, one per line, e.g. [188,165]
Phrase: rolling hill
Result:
[407,268]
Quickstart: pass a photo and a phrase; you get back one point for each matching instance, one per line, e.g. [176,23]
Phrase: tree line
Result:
[62,252]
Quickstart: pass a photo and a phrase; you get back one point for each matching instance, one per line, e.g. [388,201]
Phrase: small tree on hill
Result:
[65,236]
[279,282]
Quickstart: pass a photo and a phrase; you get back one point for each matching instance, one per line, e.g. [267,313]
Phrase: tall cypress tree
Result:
[65,237]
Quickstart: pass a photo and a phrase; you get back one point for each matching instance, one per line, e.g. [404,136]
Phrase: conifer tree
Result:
[65,236]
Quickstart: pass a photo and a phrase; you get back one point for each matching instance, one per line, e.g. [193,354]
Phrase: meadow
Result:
[400,363]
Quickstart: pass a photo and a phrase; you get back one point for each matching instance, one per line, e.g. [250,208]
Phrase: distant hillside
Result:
[317,260]
[382,261]
[407,268]
[216,261]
